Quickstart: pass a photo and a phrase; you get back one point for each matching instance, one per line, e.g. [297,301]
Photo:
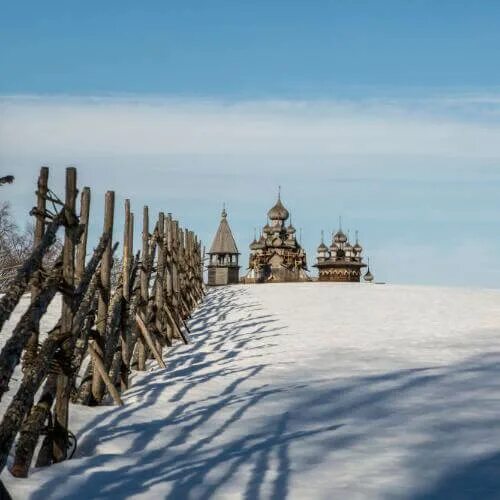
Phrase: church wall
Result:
[339,275]
[222,275]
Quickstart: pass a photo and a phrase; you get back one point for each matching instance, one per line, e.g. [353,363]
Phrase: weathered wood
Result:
[168,271]
[23,399]
[32,264]
[81,249]
[97,362]
[109,208]
[135,315]
[63,387]
[11,351]
[145,273]
[83,299]
[160,280]
[174,325]
[112,325]
[43,178]
[147,337]
[134,304]
[118,371]
[83,339]
[128,241]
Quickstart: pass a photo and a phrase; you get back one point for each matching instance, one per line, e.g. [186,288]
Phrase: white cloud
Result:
[390,167]
[118,126]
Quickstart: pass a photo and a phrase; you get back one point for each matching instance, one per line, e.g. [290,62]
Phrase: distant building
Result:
[341,261]
[277,255]
[223,268]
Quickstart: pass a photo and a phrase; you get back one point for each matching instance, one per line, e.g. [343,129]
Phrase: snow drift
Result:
[304,391]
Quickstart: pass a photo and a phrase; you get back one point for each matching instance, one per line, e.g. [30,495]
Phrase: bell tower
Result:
[223,267]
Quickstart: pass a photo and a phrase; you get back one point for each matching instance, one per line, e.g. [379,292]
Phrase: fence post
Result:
[141,346]
[41,196]
[60,446]
[104,295]
[128,252]
[81,249]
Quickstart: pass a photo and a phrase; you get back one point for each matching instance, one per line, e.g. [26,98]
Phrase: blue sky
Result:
[385,112]
[228,48]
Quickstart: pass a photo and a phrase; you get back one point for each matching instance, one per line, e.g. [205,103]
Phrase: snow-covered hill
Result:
[304,391]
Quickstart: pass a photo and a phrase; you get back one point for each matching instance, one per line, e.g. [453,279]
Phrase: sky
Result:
[384,112]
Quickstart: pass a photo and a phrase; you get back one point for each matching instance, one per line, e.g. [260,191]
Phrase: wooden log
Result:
[145,273]
[112,325]
[63,388]
[84,298]
[82,342]
[173,323]
[99,365]
[84,395]
[168,270]
[43,178]
[128,252]
[31,428]
[109,207]
[160,280]
[30,266]
[24,396]
[11,351]
[127,255]
[147,337]
[134,304]
[81,250]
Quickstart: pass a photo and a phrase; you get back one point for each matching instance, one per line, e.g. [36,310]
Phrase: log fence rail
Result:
[116,328]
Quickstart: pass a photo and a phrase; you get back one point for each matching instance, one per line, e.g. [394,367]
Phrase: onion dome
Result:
[290,229]
[278,212]
[254,245]
[267,229]
[368,277]
[357,247]
[322,248]
[340,237]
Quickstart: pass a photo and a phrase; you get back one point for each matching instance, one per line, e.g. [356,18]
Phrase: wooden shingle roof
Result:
[223,242]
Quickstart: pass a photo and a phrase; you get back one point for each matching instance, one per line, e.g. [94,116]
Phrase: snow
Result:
[310,390]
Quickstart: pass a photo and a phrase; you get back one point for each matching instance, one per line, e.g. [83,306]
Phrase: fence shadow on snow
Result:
[428,417]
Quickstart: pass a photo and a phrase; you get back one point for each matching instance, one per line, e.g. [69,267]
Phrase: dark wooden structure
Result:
[341,262]
[223,267]
[117,325]
[277,256]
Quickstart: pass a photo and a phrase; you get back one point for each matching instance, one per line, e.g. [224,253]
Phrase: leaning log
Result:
[32,426]
[11,351]
[23,399]
[97,363]
[147,337]
[32,264]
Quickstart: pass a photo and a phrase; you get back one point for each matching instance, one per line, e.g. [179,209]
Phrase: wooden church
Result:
[341,261]
[277,256]
[223,268]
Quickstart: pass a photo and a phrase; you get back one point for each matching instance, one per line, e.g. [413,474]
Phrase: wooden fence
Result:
[104,331]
